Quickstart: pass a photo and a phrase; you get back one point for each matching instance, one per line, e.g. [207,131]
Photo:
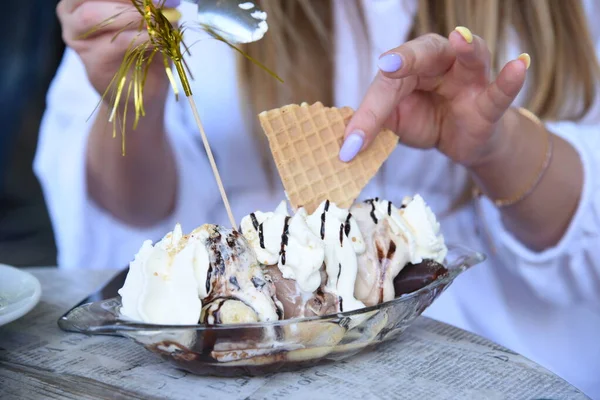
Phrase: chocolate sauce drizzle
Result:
[341,303]
[216,313]
[261,235]
[347,225]
[390,208]
[323,217]
[342,235]
[339,273]
[391,250]
[254,221]
[208,277]
[284,239]
[320,292]
[278,310]
[380,254]
[218,264]
[372,203]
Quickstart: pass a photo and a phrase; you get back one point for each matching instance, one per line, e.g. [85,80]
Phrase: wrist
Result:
[150,130]
[152,117]
[513,170]
[501,146]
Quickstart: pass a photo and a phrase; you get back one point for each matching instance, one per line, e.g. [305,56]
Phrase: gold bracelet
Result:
[502,203]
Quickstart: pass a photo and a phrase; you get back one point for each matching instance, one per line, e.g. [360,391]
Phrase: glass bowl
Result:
[261,348]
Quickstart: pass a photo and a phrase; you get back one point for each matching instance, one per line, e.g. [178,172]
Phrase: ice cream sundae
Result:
[329,255]
[285,280]
[282,266]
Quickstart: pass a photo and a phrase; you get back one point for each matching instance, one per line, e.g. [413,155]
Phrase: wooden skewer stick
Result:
[213,164]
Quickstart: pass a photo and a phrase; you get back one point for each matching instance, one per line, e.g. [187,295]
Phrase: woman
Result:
[539,291]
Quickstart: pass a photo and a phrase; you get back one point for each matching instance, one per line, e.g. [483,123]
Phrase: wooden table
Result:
[429,361]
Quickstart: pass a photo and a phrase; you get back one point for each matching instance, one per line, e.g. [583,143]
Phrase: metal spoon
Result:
[238,21]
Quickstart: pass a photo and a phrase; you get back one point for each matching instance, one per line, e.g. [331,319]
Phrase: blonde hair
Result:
[300,48]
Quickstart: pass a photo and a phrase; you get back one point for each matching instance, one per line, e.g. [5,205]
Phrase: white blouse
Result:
[543,305]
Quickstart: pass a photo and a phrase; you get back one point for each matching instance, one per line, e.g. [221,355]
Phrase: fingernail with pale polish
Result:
[352,145]
[390,63]
[168,3]
[526,59]
[465,33]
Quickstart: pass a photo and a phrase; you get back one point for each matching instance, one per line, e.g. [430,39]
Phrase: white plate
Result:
[19,293]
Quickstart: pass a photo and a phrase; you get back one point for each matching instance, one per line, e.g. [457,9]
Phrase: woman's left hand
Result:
[437,93]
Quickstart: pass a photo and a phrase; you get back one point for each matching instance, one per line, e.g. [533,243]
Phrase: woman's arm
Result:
[565,272]
[540,219]
[139,188]
[88,236]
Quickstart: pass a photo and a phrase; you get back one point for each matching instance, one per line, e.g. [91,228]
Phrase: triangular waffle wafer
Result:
[305,141]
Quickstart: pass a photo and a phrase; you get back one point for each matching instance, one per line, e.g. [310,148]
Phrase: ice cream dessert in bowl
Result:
[321,277]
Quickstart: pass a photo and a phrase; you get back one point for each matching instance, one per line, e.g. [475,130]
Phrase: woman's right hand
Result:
[141,188]
[102,50]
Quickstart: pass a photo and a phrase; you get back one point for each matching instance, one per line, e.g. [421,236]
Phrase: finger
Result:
[426,56]
[472,65]
[131,40]
[416,120]
[96,18]
[68,6]
[415,64]
[379,102]
[473,57]
[500,94]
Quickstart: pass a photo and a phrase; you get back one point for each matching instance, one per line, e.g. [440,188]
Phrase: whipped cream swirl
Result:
[278,239]
[343,243]
[300,244]
[163,283]
[169,282]
[416,223]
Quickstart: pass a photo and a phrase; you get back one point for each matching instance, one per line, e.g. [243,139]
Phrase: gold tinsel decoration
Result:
[166,41]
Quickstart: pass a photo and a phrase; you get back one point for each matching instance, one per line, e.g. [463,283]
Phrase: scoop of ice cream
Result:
[416,224]
[278,239]
[289,293]
[343,243]
[235,274]
[162,284]
[428,241]
[298,303]
[263,231]
[385,256]
[322,302]
[395,237]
